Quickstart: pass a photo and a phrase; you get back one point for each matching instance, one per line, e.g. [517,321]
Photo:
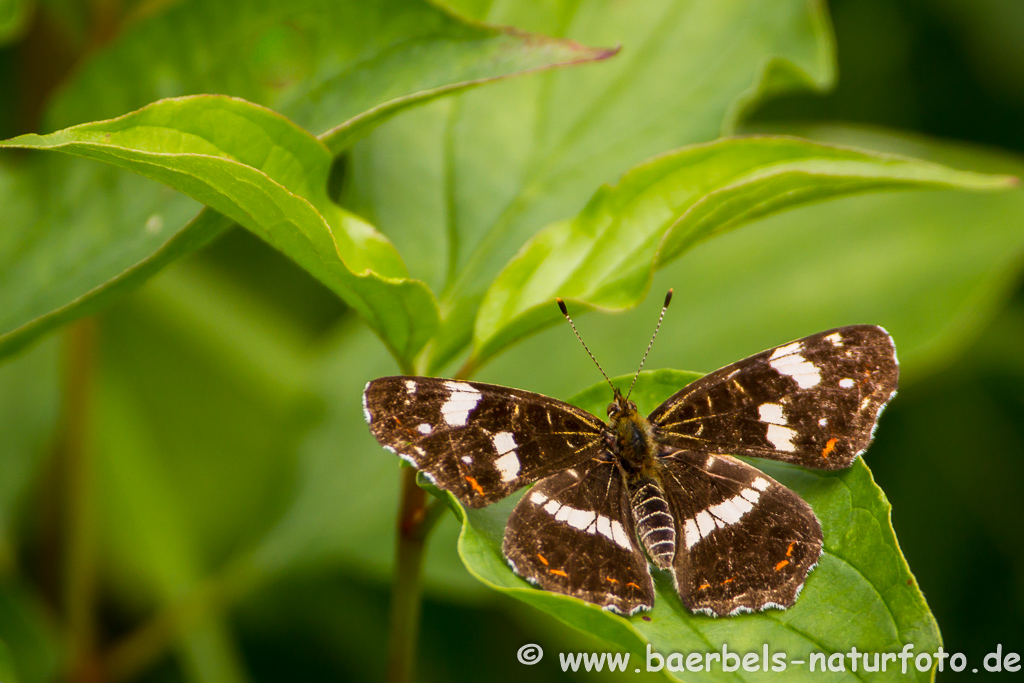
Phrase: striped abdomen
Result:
[654,523]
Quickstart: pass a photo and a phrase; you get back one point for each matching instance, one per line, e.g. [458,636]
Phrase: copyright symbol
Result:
[530,653]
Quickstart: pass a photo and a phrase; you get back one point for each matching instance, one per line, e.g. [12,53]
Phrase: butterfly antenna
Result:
[565,312]
[668,300]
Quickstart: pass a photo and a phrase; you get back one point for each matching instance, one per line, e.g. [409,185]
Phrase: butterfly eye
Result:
[613,409]
[632,407]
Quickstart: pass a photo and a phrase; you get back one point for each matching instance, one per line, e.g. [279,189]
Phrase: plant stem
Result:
[79,519]
[416,518]
[405,587]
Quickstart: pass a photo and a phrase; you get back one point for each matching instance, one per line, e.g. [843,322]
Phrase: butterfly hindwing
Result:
[744,541]
[572,533]
[479,441]
[813,402]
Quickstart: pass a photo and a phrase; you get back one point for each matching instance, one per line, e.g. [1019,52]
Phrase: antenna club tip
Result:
[561,307]
[668,298]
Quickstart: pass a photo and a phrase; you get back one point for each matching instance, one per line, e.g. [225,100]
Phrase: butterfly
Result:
[613,497]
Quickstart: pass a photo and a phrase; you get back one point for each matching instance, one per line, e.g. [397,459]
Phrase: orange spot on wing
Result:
[729,580]
[789,550]
[475,484]
[829,447]
[704,585]
[541,558]
[633,585]
[781,564]
[558,572]
[610,579]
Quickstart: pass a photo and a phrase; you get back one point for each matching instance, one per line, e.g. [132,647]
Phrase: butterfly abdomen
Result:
[653,522]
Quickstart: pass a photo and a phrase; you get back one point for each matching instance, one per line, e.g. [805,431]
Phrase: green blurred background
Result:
[226,392]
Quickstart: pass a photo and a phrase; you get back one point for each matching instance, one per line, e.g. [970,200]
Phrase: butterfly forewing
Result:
[479,441]
[744,541]
[814,402]
[572,533]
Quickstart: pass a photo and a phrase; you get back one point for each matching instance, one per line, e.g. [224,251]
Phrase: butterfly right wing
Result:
[572,533]
[813,402]
[479,441]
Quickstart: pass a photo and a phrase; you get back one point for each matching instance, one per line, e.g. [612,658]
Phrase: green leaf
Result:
[78,236]
[263,172]
[501,53]
[685,72]
[862,594]
[322,63]
[605,258]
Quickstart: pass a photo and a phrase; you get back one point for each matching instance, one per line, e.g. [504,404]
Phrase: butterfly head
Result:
[621,407]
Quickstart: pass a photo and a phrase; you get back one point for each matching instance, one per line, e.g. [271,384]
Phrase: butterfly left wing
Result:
[814,402]
[744,542]
[572,533]
[479,441]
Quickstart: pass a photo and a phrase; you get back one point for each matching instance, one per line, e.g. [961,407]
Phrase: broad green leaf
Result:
[325,64]
[685,71]
[605,257]
[502,53]
[263,172]
[78,236]
[862,594]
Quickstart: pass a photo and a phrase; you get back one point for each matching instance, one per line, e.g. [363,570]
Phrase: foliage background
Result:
[226,389]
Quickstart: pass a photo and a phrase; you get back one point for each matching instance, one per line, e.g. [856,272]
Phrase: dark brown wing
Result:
[744,541]
[479,441]
[572,533]
[814,402]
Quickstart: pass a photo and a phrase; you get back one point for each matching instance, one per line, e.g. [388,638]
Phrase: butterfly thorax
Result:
[633,443]
[631,437]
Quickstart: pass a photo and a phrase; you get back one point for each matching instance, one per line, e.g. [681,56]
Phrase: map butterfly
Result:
[610,498]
